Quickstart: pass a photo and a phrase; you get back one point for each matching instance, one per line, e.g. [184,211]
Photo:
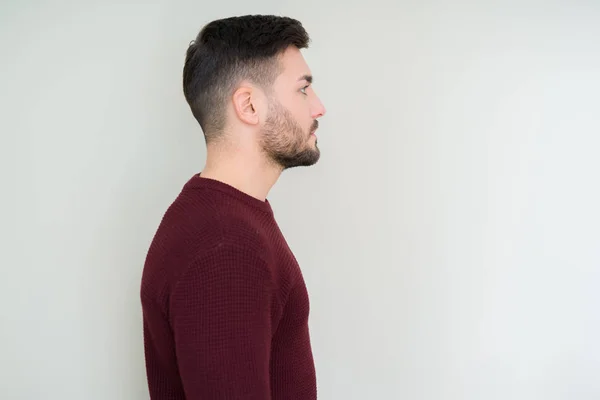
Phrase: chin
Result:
[307,158]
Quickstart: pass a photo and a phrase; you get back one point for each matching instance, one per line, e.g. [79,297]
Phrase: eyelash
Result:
[303,90]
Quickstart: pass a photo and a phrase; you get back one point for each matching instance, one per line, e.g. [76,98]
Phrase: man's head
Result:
[246,81]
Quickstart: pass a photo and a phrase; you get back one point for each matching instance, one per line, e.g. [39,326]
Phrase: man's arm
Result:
[221,318]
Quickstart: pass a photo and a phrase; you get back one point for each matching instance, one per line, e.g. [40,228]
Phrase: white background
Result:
[449,236]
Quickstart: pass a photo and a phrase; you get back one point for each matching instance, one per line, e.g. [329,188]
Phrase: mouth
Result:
[314,128]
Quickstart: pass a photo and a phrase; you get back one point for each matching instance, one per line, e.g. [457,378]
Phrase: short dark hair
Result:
[229,50]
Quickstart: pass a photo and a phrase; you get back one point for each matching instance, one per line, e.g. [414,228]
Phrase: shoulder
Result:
[234,265]
[208,216]
[242,231]
[238,246]
[229,241]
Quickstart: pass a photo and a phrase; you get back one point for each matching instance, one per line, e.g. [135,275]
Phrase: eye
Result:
[303,90]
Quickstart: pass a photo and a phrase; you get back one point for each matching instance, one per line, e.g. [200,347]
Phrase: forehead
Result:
[293,64]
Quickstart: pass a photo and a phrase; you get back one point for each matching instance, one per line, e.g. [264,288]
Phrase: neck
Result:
[254,176]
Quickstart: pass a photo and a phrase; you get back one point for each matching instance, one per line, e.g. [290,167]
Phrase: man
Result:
[225,306]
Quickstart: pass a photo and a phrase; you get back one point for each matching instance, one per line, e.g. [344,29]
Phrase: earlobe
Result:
[244,106]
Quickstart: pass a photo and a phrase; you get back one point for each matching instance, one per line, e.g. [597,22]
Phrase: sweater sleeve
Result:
[221,316]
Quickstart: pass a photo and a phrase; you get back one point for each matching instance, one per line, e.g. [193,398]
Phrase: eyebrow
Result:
[307,78]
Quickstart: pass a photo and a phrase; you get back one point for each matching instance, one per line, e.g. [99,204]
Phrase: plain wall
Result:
[449,236]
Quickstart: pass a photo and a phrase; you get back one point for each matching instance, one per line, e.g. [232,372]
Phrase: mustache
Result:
[314,126]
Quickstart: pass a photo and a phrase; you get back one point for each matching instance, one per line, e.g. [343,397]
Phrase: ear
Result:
[244,105]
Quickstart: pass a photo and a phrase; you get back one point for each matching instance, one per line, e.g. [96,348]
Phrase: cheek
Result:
[303,114]
[299,109]
[305,122]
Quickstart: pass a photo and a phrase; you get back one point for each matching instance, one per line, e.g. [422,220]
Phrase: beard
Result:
[285,142]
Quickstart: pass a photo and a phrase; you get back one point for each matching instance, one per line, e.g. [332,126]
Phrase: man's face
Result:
[288,135]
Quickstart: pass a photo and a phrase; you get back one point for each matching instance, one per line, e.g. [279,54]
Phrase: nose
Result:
[318,108]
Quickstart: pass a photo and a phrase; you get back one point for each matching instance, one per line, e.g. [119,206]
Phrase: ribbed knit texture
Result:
[225,306]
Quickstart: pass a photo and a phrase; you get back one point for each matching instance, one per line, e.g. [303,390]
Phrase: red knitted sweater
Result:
[225,307]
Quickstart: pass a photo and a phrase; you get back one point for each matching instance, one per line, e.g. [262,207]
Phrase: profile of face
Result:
[288,136]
